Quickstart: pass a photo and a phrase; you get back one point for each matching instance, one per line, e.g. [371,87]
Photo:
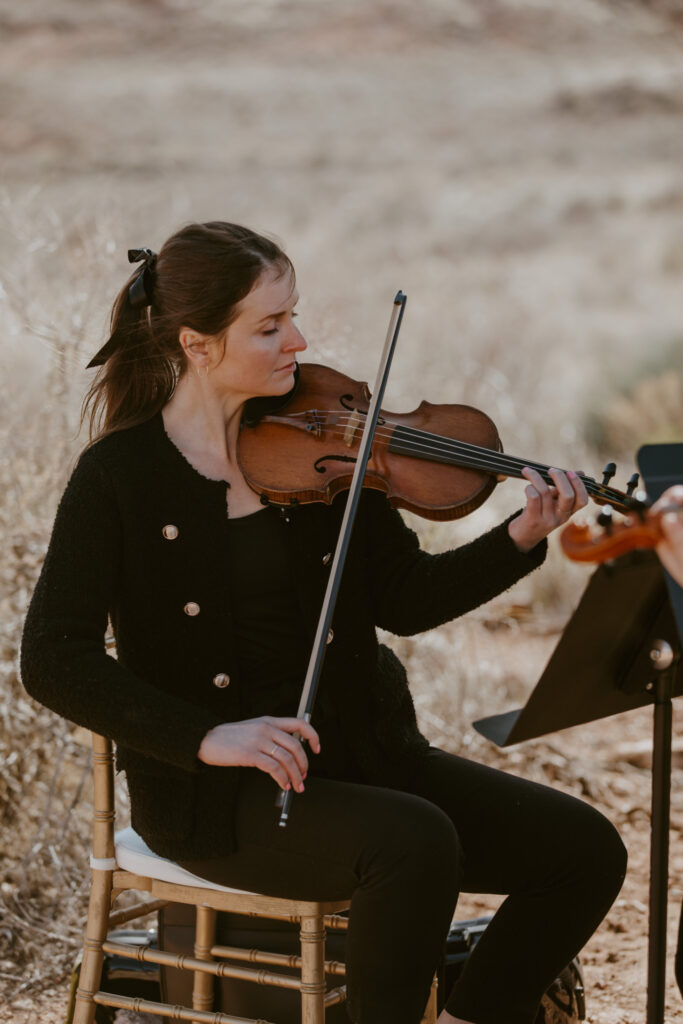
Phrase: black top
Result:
[272,647]
[270,640]
[169,596]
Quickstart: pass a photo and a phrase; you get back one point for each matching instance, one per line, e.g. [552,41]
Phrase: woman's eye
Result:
[274,330]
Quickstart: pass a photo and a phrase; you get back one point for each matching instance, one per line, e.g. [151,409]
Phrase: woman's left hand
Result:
[547,506]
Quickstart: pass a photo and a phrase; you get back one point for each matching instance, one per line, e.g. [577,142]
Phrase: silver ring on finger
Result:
[275,747]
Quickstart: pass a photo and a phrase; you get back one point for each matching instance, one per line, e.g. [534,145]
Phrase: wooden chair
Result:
[123,862]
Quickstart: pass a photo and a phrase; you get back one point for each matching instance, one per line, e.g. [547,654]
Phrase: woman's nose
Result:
[295,340]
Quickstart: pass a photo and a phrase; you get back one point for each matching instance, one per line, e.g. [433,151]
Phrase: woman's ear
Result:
[196,347]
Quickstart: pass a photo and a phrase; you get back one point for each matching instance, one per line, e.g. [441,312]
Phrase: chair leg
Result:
[312,969]
[430,1011]
[205,938]
[95,934]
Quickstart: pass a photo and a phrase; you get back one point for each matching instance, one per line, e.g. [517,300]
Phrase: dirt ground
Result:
[515,166]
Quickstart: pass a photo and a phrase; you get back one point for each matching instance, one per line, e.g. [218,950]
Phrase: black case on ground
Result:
[243,998]
[563,1003]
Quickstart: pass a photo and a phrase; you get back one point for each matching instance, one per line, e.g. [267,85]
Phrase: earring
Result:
[203,371]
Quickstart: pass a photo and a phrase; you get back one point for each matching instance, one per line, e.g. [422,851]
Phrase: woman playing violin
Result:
[214,600]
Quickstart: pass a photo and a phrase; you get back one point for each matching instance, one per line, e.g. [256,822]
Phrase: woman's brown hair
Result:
[197,280]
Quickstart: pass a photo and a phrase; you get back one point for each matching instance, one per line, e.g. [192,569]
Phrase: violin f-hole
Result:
[319,468]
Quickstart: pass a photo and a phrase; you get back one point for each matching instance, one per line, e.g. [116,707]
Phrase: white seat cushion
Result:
[134,855]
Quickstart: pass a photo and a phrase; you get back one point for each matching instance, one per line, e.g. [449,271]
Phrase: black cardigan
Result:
[111,556]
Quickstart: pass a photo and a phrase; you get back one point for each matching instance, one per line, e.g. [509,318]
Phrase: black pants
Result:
[403,857]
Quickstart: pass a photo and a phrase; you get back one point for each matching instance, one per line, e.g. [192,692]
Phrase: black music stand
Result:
[619,652]
[661,466]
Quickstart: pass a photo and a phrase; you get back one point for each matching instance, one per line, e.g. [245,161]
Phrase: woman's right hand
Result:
[265,743]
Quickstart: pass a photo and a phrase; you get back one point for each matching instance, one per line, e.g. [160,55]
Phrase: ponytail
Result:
[136,379]
[197,280]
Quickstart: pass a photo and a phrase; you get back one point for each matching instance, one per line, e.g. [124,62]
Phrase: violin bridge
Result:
[355,420]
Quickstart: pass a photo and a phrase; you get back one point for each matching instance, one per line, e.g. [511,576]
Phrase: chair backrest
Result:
[103,801]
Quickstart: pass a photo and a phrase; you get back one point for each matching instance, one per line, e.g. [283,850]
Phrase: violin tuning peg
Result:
[605,519]
[632,484]
[641,503]
[608,472]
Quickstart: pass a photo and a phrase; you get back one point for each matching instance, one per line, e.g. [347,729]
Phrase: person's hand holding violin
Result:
[547,507]
[670,549]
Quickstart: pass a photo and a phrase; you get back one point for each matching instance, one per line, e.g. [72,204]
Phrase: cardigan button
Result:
[330,636]
[170,532]
[327,558]
[191,608]
[221,680]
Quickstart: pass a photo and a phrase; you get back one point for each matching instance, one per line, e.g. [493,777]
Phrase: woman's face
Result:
[262,342]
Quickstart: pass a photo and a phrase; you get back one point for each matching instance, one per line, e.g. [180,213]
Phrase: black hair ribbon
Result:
[140,296]
[141,291]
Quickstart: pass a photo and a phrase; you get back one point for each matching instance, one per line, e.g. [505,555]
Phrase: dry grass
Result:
[43,772]
[650,411]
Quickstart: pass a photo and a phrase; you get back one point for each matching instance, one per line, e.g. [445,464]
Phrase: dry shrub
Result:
[43,822]
[619,99]
[648,412]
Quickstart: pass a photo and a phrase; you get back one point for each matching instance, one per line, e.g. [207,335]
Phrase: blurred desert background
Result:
[514,166]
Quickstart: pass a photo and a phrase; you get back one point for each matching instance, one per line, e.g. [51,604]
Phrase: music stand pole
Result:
[663,660]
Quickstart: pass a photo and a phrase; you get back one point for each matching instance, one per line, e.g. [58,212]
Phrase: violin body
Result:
[307,451]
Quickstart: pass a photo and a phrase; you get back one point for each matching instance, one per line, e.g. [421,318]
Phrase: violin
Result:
[605,539]
[439,461]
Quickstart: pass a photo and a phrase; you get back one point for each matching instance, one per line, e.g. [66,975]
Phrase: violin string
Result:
[496,460]
[489,465]
[439,444]
[410,441]
[477,457]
